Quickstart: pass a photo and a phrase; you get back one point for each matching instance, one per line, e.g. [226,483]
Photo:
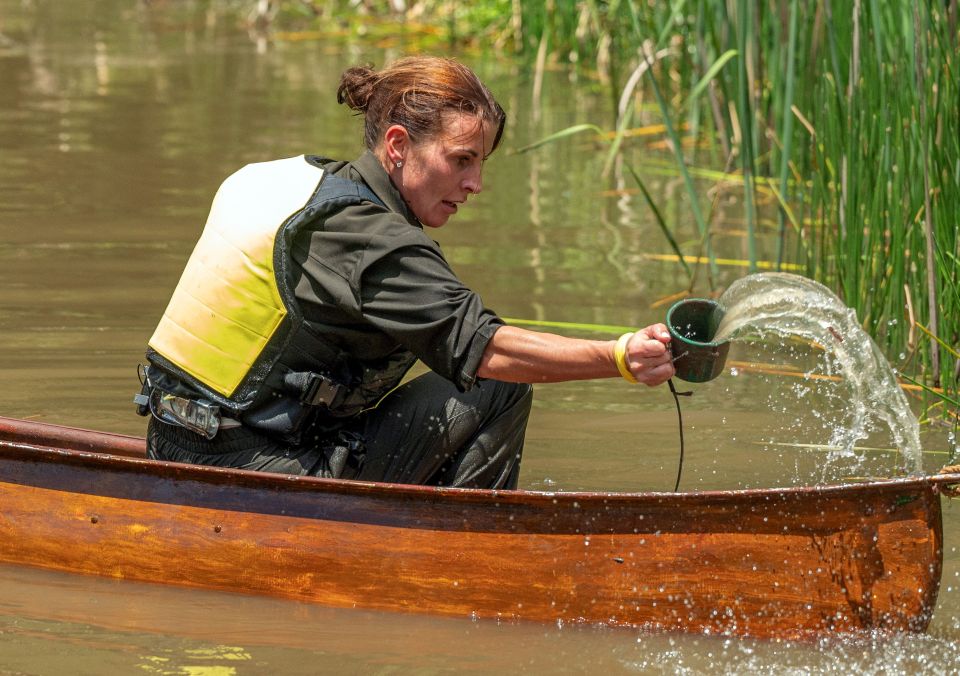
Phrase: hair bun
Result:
[356,87]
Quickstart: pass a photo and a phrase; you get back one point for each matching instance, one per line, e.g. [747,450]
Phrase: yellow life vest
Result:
[227,305]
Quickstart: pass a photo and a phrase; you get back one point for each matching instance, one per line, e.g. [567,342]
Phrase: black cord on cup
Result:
[676,398]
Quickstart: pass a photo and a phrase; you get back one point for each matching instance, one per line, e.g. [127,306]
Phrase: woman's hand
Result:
[648,355]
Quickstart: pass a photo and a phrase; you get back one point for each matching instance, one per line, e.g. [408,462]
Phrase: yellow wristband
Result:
[620,356]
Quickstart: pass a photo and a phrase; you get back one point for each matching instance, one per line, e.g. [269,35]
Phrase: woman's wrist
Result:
[620,358]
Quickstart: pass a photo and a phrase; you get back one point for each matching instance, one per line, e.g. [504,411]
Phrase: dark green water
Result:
[118,120]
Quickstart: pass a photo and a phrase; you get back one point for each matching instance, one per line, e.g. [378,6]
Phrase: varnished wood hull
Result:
[786,563]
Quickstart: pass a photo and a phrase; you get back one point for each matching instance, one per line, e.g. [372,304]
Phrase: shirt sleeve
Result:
[406,289]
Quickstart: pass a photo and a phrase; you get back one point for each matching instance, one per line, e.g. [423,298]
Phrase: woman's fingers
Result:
[648,355]
[655,375]
[657,332]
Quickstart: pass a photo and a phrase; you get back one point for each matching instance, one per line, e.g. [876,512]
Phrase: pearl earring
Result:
[399,164]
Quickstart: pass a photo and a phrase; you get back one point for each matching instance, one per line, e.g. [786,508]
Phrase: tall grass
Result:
[881,169]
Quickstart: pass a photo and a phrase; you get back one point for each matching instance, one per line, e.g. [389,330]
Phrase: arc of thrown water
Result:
[786,304]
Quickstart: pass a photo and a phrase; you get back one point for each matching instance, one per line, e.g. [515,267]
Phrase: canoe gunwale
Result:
[309,484]
[127,461]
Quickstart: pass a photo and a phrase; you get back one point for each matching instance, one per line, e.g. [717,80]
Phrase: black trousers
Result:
[425,432]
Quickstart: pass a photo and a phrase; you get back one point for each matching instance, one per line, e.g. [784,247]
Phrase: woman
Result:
[314,288]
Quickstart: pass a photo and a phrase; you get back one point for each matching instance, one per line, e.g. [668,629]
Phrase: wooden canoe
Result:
[787,563]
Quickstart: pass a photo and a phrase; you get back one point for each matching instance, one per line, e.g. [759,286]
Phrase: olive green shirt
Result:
[371,281]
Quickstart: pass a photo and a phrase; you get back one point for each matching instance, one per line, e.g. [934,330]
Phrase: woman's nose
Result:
[473,183]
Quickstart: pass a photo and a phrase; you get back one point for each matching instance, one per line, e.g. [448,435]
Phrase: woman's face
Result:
[438,174]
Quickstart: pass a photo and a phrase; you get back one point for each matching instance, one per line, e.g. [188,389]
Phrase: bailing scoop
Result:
[693,323]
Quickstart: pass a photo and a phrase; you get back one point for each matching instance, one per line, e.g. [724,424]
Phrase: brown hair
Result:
[413,92]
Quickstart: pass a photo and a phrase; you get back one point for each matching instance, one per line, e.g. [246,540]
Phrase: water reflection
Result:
[55,623]
[118,121]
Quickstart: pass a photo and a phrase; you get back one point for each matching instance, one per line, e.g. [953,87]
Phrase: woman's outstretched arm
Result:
[519,355]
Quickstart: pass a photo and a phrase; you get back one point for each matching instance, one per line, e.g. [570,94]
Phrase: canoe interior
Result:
[780,563]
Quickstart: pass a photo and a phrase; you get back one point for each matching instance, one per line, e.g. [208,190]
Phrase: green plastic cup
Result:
[692,324]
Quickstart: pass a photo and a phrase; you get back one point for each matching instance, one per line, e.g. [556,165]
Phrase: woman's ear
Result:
[396,141]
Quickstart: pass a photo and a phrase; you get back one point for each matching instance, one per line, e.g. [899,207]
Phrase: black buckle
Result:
[142,399]
[320,390]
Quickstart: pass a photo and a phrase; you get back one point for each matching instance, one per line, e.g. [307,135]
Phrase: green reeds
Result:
[886,206]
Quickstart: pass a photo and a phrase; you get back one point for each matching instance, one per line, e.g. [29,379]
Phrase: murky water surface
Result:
[118,120]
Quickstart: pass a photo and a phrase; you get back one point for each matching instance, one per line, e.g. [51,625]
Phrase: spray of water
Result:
[789,305]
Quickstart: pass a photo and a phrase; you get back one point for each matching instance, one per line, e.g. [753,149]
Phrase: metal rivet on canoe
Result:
[618,560]
[217,528]
[94,518]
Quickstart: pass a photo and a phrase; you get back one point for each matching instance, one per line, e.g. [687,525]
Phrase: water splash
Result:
[789,305]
